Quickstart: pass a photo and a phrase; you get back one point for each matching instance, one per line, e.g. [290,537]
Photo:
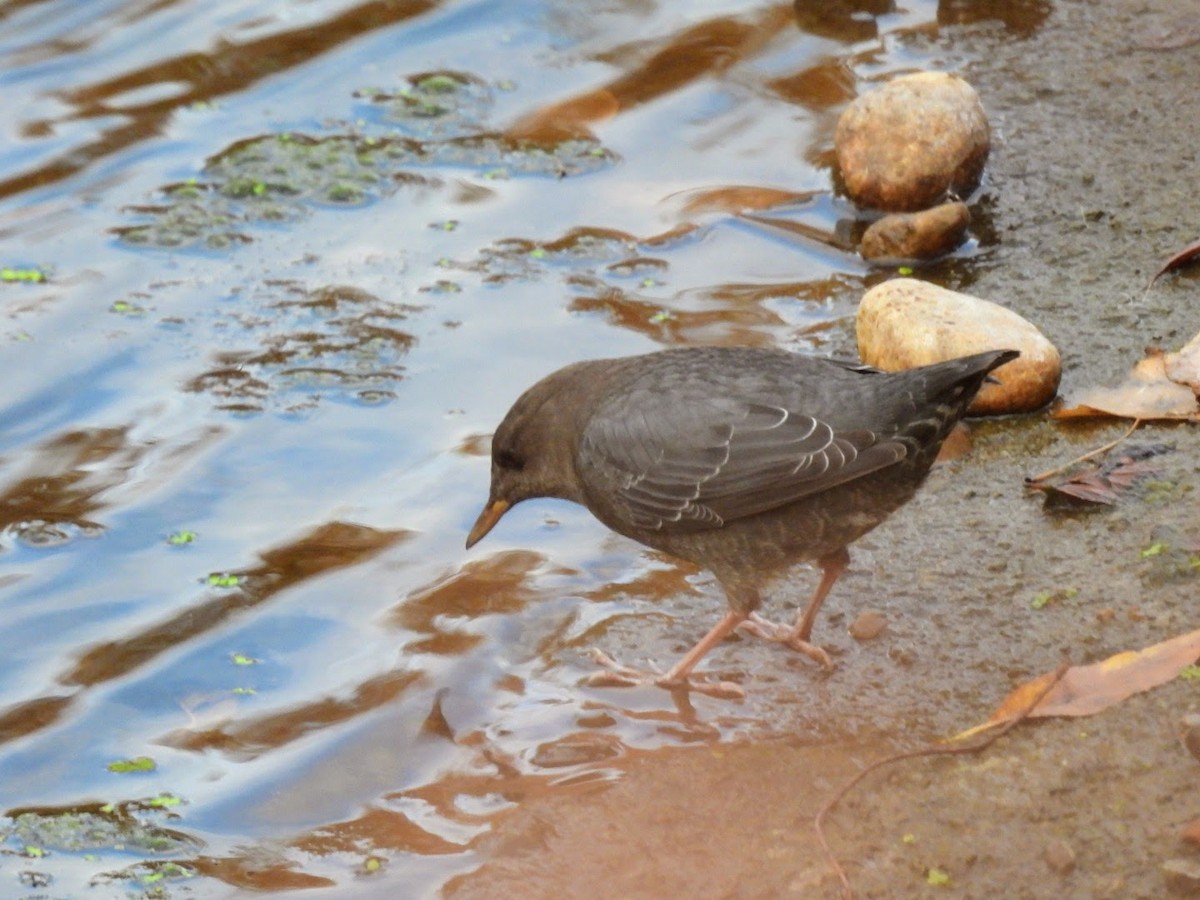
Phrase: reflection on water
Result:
[55,500]
[301,258]
[194,72]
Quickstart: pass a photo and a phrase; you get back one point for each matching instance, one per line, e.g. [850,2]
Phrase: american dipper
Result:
[744,461]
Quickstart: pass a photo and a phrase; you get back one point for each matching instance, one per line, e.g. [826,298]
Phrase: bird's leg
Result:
[832,567]
[678,674]
[796,637]
[676,678]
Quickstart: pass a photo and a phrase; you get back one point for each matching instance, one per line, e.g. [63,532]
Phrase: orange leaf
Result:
[1087,690]
[1148,393]
[1188,254]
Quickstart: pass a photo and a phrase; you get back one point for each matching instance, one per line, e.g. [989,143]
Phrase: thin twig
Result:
[1097,452]
[819,819]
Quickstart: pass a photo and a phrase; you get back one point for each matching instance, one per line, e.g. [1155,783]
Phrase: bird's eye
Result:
[506,459]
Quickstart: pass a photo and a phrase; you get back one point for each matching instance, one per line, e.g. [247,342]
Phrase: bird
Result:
[744,461]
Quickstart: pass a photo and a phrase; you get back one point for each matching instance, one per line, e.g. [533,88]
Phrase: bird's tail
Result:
[948,389]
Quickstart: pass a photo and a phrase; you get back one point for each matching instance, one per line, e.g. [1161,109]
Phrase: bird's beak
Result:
[487,521]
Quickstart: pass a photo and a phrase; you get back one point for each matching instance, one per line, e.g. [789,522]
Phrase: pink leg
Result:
[797,637]
[677,677]
[678,674]
[832,567]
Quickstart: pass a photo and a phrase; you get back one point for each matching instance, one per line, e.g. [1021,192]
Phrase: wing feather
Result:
[712,460]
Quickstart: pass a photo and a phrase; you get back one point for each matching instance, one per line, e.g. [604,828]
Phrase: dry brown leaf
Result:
[1148,393]
[957,444]
[1104,483]
[1187,255]
[1087,690]
[1184,367]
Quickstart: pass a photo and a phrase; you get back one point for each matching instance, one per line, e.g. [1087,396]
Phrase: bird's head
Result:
[533,450]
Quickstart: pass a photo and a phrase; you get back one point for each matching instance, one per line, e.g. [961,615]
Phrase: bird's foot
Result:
[787,635]
[616,674]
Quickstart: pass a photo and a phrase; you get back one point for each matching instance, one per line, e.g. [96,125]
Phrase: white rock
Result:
[905,323]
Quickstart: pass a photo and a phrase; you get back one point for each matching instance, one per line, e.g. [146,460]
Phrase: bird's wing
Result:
[701,463]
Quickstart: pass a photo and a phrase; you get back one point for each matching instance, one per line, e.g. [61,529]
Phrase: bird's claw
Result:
[814,652]
[782,634]
[718,690]
[617,675]
[622,675]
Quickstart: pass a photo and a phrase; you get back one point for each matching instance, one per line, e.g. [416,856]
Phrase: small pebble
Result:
[927,234]
[1060,857]
[1191,833]
[1191,740]
[868,625]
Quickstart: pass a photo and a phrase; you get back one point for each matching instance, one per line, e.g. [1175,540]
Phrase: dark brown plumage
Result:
[744,461]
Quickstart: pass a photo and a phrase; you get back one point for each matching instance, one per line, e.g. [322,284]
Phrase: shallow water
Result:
[299,259]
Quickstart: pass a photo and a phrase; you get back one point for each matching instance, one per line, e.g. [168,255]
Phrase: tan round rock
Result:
[868,625]
[905,323]
[927,234]
[902,146]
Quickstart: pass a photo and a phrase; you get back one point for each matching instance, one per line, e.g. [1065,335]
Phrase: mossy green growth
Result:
[150,876]
[29,276]
[440,83]
[435,119]
[1047,598]
[128,825]
[937,877]
[137,764]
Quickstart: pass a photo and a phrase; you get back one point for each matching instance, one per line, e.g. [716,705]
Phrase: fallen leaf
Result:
[1184,367]
[957,444]
[1104,483]
[1148,393]
[1187,255]
[1087,690]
